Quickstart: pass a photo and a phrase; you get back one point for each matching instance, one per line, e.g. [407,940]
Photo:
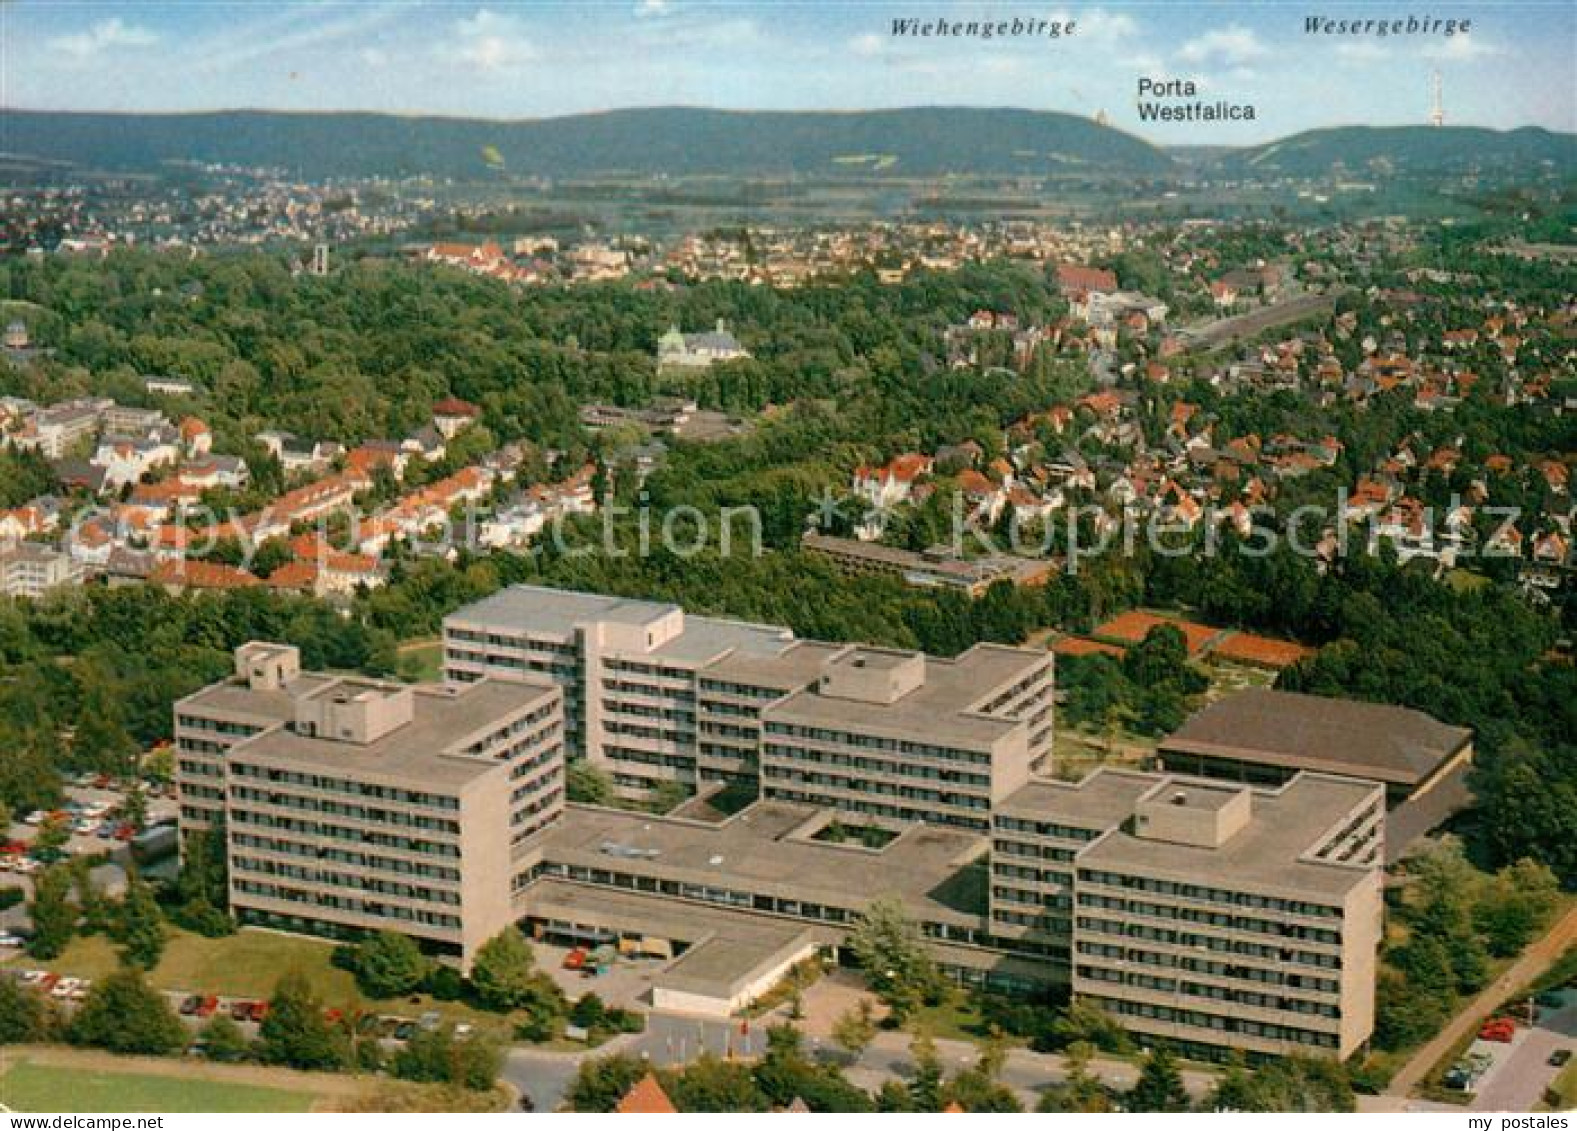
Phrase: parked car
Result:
[1498,1029]
[9,940]
[405,1030]
[191,1004]
[208,1006]
[430,1020]
[1559,1057]
[241,1010]
[65,987]
[575,959]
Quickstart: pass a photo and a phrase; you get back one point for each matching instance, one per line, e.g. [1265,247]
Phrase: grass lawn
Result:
[1564,1089]
[420,661]
[955,1019]
[1466,581]
[37,1087]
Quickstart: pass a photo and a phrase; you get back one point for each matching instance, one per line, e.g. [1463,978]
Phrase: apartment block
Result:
[655,696]
[352,805]
[28,569]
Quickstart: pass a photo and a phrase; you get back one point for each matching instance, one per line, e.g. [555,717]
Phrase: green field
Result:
[1564,1090]
[37,1087]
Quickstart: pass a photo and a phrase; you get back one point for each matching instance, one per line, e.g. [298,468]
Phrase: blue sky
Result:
[509,59]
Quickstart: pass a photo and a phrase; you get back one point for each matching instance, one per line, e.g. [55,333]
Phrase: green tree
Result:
[389,964]
[439,1056]
[140,925]
[897,963]
[1160,1084]
[135,808]
[1081,1090]
[785,1074]
[53,915]
[600,1083]
[503,969]
[23,1013]
[1517,904]
[1084,1022]
[123,1014]
[295,1032]
[587,784]
[855,1028]
[925,1086]
[710,1084]
[223,1040]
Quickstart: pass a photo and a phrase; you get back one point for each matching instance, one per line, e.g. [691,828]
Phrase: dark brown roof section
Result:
[1307,732]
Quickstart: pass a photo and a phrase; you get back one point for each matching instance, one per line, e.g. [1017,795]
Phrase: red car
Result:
[259,1011]
[1499,1030]
[209,1004]
[575,959]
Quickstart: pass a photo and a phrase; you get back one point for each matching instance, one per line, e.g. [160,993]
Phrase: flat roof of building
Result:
[558,612]
[938,711]
[706,639]
[234,699]
[1098,801]
[413,754]
[1308,732]
[1270,853]
[755,851]
[788,670]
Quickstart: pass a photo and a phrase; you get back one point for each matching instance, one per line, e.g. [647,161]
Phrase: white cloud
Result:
[1103,27]
[1461,48]
[493,42]
[1362,51]
[1234,45]
[101,37]
[296,33]
[868,45]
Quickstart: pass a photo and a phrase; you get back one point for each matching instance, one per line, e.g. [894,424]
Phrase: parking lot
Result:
[625,984]
[1522,1070]
[197,1009]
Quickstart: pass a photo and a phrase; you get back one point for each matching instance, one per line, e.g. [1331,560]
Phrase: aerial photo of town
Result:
[695,556]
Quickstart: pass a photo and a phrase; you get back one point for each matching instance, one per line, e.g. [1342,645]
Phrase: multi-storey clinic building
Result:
[654,696]
[1207,914]
[1216,915]
[353,804]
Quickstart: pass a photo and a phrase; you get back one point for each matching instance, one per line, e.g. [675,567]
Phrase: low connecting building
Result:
[1216,915]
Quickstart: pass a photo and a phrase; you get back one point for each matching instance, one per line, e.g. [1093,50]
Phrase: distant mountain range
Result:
[1364,150]
[679,141]
[676,141]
